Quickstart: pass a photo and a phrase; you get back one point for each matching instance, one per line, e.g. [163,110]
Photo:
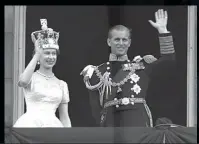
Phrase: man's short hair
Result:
[119,28]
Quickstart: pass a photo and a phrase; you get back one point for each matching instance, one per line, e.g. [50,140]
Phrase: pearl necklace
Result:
[47,77]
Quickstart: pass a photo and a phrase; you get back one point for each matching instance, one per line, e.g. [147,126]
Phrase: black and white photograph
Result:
[100,73]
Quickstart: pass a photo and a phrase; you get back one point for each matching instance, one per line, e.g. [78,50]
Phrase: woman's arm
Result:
[25,77]
[63,115]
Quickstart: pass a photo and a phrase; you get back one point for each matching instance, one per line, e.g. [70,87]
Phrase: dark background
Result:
[83,33]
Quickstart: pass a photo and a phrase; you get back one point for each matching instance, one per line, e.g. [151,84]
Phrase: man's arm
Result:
[91,79]
[165,37]
[167,50]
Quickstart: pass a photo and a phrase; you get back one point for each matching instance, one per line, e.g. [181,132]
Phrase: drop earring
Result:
[38,62]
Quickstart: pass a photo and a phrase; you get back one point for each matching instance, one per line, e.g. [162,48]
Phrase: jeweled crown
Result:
[46,37]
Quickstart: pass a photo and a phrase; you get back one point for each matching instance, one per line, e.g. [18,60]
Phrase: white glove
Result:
[88,71]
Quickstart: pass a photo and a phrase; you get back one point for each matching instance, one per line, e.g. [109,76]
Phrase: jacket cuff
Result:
[166,43]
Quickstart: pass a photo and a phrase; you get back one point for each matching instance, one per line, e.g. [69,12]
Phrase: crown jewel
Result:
[46,37]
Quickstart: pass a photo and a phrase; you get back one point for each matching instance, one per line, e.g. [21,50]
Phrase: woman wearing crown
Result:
[44,92]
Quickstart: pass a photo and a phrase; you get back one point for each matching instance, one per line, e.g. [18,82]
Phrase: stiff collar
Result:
[113,57]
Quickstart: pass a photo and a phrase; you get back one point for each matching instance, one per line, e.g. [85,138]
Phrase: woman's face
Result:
[48,58]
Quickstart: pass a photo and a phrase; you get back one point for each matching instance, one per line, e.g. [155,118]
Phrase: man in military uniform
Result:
[118,87]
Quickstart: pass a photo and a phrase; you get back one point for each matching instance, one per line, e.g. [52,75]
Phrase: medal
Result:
[119,89]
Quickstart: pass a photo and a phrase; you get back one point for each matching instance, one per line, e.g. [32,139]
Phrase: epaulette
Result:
[149,59]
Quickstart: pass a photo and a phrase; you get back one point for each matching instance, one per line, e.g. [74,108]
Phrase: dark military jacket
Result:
[133,84]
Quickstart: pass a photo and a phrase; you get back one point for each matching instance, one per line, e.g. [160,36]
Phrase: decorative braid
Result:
[166,44]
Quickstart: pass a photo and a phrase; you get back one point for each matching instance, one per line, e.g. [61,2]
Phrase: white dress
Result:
[42,98]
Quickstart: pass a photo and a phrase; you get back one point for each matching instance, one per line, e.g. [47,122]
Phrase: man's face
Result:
[119,42]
